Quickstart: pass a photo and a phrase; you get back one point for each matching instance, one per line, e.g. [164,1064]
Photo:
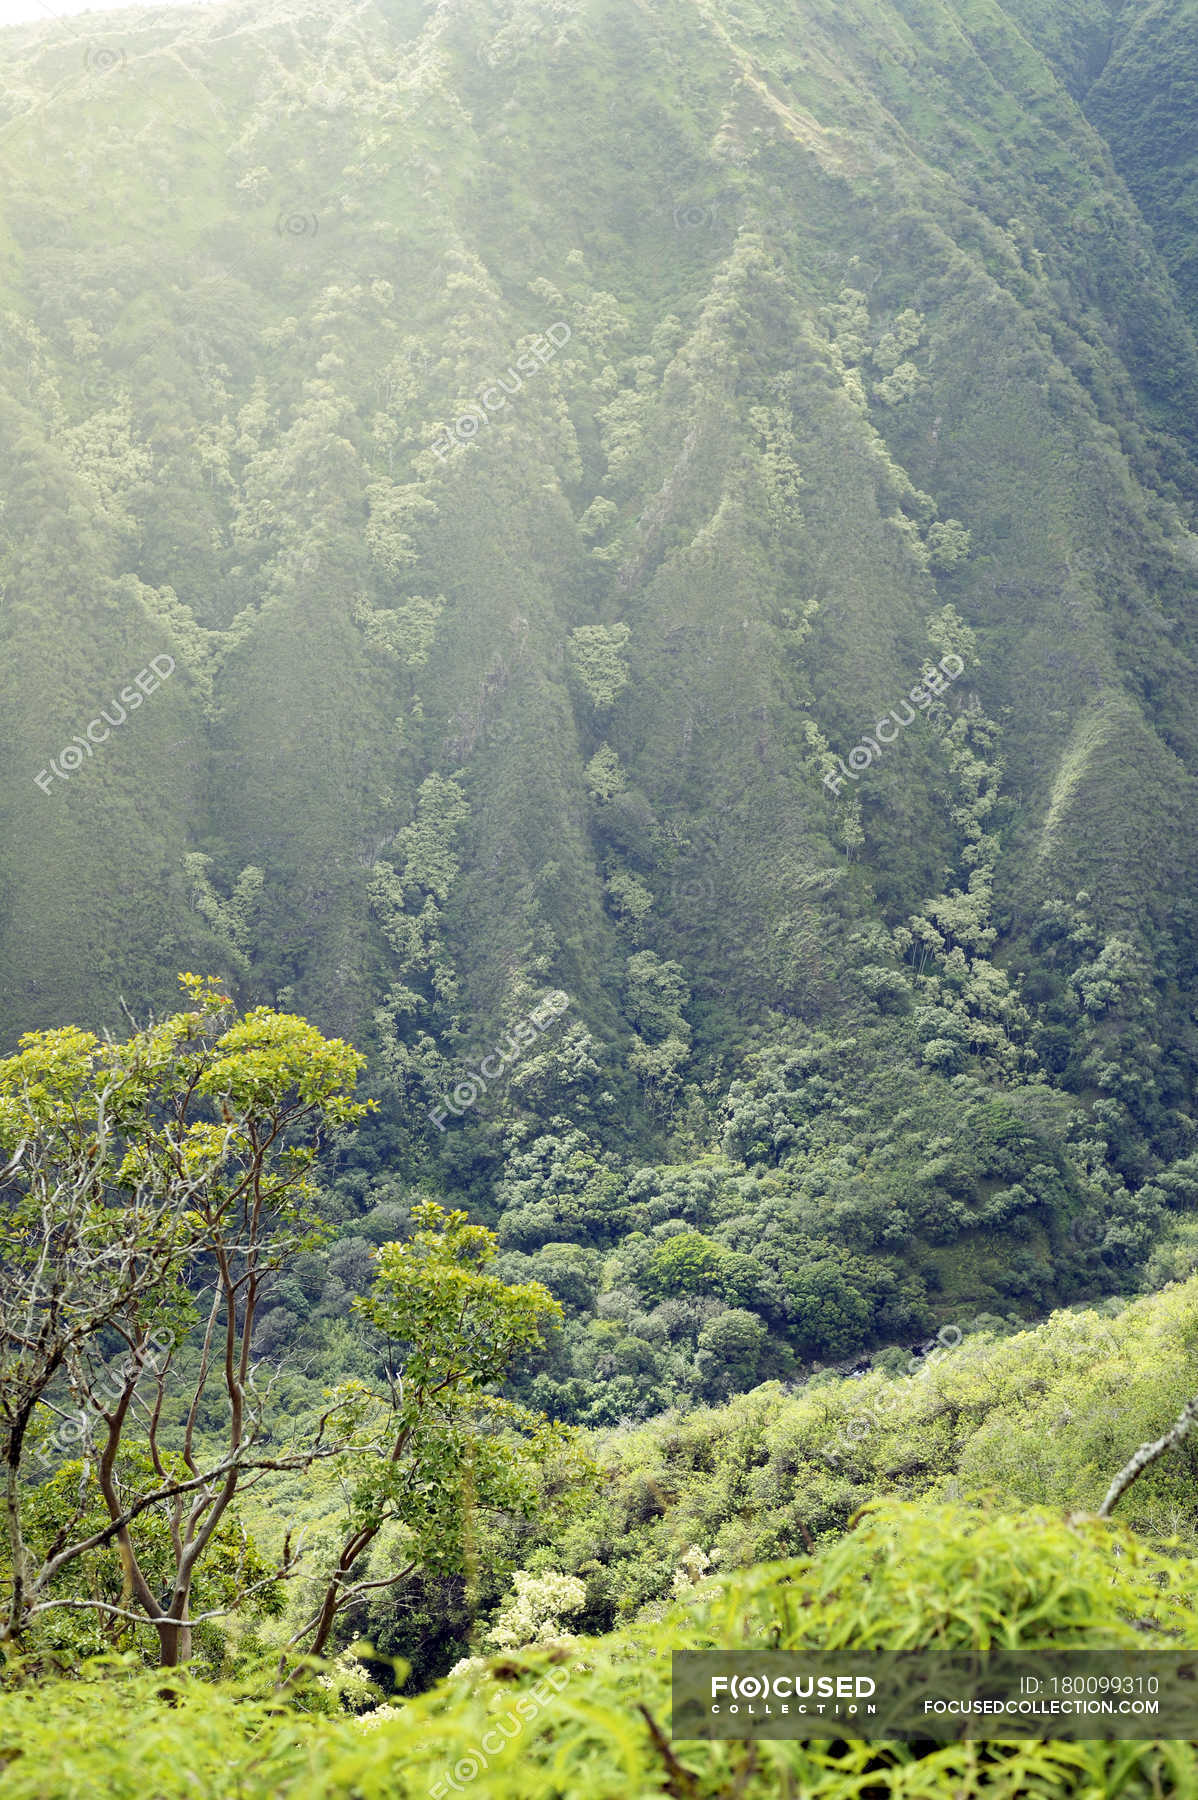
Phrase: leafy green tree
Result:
[451,1329]
[729,1350]
[830,1315]
[948,544]
[688,1263]
[597,662]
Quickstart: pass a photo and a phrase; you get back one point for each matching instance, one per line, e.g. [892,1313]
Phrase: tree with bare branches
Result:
[137,1173]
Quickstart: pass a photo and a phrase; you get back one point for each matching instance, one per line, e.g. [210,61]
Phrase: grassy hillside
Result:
[990,1417]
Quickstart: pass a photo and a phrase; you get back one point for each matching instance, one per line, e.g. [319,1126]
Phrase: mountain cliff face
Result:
[691,508]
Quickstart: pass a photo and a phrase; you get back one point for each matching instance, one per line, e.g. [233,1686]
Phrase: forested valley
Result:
[598,822]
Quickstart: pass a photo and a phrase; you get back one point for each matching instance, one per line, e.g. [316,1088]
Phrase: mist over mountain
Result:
[675,520]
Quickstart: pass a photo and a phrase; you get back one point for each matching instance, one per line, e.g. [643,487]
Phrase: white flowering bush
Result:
[348,1684]
[691,1570]
[532,1616]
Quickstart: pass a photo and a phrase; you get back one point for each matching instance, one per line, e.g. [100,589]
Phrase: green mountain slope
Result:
[548,444]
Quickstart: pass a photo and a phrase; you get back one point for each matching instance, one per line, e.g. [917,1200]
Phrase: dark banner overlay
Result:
[1118,1693]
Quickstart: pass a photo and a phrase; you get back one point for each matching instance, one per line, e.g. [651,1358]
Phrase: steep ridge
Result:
[1143,102]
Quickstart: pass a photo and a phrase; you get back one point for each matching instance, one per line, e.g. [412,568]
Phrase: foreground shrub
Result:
[592,1720]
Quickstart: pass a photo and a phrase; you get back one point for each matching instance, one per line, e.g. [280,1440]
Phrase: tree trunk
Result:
[174,1631]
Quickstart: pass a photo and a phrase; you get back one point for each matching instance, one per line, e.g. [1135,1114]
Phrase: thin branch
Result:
[360,1587]
[141,1618]
[681,1784]
[202,1376]
[116,1612]
[1147,1454]
[300,1460]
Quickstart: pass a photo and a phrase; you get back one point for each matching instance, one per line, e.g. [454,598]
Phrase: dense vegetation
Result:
[1017,1428]
[465,696]
[584,1717]
[622,580]
[224,1520]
